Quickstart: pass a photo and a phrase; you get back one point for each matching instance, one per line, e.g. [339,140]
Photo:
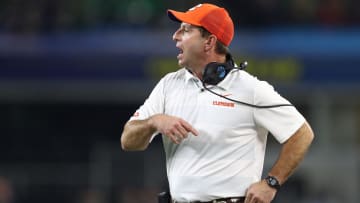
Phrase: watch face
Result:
[273,181]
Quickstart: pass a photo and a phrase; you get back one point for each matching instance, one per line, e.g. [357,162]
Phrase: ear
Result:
[210,42]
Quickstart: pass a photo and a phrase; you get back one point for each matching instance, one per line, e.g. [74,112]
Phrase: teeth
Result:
[180,50]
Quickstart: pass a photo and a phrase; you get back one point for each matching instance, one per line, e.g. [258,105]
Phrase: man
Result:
[215,147]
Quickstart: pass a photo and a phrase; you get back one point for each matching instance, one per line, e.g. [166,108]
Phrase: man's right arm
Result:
[137,133]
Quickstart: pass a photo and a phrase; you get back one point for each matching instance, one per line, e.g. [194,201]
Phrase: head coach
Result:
[214,119]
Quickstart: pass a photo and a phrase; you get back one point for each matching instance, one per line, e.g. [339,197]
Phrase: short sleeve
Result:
[282,121]
[154,104]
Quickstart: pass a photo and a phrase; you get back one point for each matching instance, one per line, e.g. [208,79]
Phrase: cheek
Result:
[194,48]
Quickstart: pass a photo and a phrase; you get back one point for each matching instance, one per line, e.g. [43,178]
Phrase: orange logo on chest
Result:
[222,103]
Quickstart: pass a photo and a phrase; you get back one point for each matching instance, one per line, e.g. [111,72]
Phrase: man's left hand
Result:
[260,192]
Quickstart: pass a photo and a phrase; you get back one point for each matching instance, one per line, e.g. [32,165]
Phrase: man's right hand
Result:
[173,127]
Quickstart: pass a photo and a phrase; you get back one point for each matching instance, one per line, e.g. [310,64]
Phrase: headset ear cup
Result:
[210,75]
[215,72]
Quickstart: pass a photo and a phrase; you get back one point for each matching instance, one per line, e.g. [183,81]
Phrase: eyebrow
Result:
[187,25]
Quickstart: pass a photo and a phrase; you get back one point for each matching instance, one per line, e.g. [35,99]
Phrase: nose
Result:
[175,36]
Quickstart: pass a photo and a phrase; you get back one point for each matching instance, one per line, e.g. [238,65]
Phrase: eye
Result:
[184,30]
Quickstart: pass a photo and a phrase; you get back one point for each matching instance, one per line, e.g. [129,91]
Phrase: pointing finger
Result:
[189,128]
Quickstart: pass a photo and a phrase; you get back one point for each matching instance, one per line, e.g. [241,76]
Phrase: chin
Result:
[182,65]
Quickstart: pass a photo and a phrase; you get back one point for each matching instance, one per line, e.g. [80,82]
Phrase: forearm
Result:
[292,153]
[136,135]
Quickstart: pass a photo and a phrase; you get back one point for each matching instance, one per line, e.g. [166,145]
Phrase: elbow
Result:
[130,148]
[133,139]
[310,134]
[127,145]
[124,145]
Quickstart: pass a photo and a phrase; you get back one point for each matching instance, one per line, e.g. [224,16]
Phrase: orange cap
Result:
[213,18]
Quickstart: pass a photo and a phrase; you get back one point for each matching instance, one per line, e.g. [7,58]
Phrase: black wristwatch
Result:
[272,182]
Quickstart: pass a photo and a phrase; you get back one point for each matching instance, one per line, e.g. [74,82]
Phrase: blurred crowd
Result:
[6,190]
[18,16]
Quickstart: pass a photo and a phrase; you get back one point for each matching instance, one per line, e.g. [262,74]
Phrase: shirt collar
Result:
[191,77]
[188,75]
[224,84]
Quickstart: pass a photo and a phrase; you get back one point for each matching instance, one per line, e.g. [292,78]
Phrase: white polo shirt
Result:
[228,155]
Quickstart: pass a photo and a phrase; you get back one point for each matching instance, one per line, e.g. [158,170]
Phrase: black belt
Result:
[221,200]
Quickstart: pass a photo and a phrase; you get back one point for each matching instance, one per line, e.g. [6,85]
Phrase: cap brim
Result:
[171,15]
[182,17]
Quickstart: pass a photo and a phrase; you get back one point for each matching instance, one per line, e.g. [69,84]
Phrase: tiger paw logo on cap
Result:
[197,6]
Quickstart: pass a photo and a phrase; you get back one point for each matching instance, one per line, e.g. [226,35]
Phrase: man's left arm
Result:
[292,153]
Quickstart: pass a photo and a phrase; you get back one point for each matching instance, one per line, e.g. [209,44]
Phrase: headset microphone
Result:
[243,65]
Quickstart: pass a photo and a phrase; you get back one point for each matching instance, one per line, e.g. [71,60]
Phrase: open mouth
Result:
[180,53]
[180,50]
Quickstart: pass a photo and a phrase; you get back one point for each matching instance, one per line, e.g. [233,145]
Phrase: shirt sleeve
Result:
[282,121]
[154,104]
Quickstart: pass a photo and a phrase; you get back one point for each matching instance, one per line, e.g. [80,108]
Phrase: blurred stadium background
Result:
[73,72]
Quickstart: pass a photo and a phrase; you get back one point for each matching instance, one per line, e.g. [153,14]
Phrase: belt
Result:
[221,200]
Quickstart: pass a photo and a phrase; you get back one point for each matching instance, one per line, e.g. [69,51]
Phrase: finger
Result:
[176,132]
[247,198]
[174,138]
[171,136]
[189,128]
[252,200]
[178,136]
[181,131]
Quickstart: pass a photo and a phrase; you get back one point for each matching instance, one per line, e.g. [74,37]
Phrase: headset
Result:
[215,72]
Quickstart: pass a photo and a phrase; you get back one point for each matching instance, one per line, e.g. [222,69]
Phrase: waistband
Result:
[221,200]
